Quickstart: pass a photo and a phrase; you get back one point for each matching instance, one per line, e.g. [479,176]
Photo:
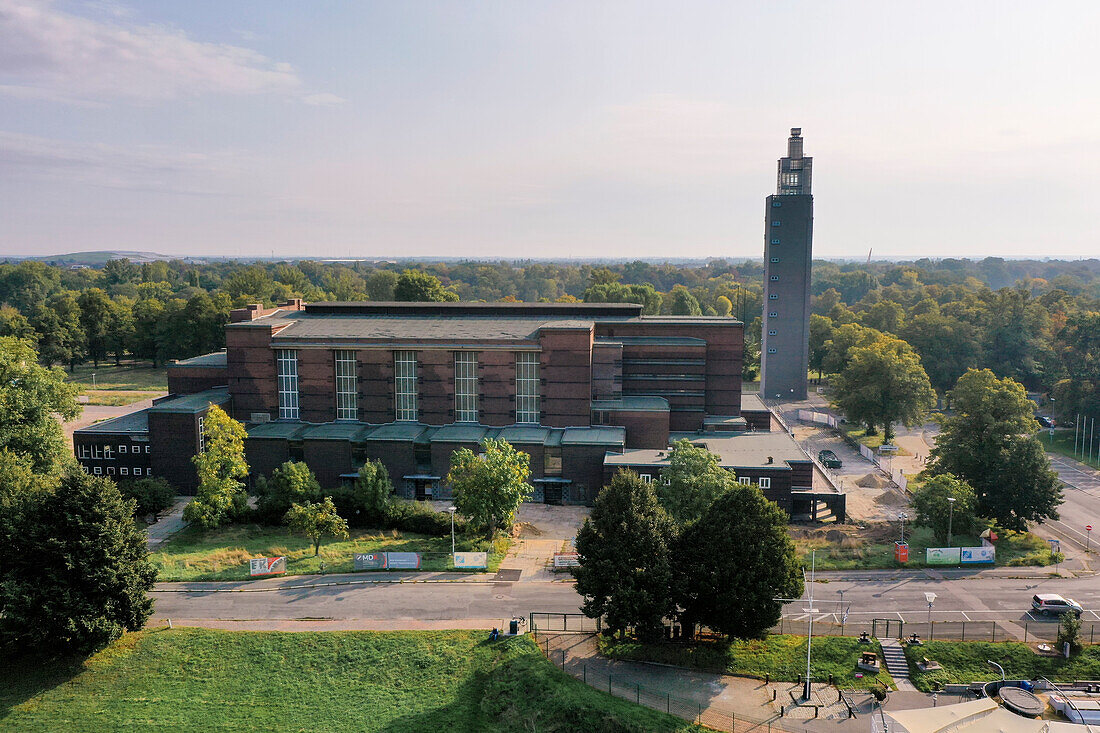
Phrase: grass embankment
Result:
[782,656]
[1062,444]
[223,554]
[965,662]
[876,550]
[193,679]
[119,385]
[859,435]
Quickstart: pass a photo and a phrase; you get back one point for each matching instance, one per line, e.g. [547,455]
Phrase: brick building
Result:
[577,386]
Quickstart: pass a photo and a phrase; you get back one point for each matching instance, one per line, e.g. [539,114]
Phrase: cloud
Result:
[142,167]
[323,99]
[47,53]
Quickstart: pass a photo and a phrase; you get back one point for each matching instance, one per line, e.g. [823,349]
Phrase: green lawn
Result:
[195,679]
[1062,444]
[965,661]
[130,377]
[1013,549]
[223,554]
[782,656]
[873,442]
[117,397]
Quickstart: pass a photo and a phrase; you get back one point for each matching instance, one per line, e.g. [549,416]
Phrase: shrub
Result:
[153,495]
[1069,631]
[291,483]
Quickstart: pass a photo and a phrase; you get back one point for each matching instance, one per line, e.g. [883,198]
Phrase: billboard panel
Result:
[471,559]
[979,555]
[403,560]
[370,560]
[267,565]
[567,559]
[942,555]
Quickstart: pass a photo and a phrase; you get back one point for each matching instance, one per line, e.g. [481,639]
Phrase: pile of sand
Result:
[873,481]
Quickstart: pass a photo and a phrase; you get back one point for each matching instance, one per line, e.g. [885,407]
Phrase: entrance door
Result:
[424,490]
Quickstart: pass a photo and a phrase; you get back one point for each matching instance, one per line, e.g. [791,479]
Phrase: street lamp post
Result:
[930,597]
[950,516]
[451,509]
[806,690]
[1052,421]
[901,520]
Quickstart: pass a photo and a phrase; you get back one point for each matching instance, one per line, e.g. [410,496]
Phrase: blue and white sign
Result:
[473,560]
[403,560]
[971,555]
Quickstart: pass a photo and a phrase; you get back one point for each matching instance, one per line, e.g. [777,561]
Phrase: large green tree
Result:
[935,510]
[735,562]
[76,573]
[221,467]
[988,443]
[416,286]
[30,396]
[489,486]
[291,483]
[95,317]
[692,481]
[626,568]
[884,383]
[842,341]
[369,500]
[317,521]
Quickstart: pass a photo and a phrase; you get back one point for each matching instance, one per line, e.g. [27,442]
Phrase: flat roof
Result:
[335,431]
[424,328]
[399,431]
[128,424]
[276,430]
[656,341]
[751,402]
[525,434]
[192,403]
[397,308]
[734,450]
[633,403]
[213,359]
[459,433]
[594,436]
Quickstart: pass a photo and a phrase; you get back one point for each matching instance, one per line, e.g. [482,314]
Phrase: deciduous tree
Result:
[291,483]
[626,574]
[692,481]
[884,383]
[416,286]
[221,467]
[490,486]
[937,513]
[30,396]
[317,521]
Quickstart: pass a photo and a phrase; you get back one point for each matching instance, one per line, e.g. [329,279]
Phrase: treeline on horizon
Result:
[1035,321]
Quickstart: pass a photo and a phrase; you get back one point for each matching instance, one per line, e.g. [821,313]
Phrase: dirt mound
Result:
[873,481]
[525,530]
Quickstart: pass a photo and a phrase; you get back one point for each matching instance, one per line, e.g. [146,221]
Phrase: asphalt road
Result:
[1082,503]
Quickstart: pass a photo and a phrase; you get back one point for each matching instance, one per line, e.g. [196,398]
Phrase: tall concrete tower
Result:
[788,250]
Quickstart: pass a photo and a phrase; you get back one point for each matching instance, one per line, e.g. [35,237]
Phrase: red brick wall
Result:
[436,370]
[189,380]
[607,371]
[566,372]
[251,369]
[376,403]
[173,439]
[316,385]
[264,455]
[644,429]
[328,459]
[760,420]
[497,387]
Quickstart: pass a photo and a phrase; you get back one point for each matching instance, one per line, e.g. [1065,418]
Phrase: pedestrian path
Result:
[169,523]
[896,665]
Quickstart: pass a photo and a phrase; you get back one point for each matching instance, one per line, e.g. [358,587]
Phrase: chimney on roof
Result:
[770,460]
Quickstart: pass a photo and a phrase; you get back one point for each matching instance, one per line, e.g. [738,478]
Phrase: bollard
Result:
[1025,632]
[585,673]
[668,704]
[773,695]
[637,694]
[964,631]
[994,630]
[767,678]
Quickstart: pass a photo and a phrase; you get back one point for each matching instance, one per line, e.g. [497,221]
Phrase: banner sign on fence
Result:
[978,555]
[471,559]
[942,555]
[567,559]
[266,565]
[370,561]
[403,560]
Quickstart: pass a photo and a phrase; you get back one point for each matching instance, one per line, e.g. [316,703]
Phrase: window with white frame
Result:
[110,470]
[666,480]
[202,433]
[123,471]
[148,472]
[286,361]
[465,386]
[744,480]
[347,386]
[405,388]
[97,451]
[82,451]
[122,449]
[527,387]
[146,449]
[98,470]
[108,454]
[645,477]
[764,483]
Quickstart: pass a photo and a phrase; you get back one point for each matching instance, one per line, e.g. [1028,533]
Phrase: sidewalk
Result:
[167,525]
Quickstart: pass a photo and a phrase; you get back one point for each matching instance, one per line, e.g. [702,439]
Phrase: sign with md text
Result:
[403,560]
[943,555]
[972,555]
[567,559]
[370,561]
[478,560]
[267,565]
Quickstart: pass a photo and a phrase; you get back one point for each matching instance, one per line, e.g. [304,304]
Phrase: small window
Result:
[123,471]
[110,470]
[666,481]
[771,351]
[772,332]
[765,483]
[777,223]
[773,314]
[775,259]
[148,472]
[107,454]
[776,204]
[98,470]
[775,277]
[646,478]
[744,480]
[122,449]
[146,449]
[775,241]
[773,296]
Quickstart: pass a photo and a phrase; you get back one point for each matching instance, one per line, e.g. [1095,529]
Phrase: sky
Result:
[523,129]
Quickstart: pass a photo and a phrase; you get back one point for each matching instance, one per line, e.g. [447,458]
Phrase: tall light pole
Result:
[1052,421]
[810,632]
[901,520]
[451,509]
[950,516]
[931,598]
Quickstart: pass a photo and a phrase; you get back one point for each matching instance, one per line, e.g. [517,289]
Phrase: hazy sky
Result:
[551,128]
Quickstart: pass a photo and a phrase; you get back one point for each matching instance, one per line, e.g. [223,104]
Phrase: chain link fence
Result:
[1027,631]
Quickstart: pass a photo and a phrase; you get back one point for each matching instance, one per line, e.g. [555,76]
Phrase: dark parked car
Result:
[1044,422]
[828,459]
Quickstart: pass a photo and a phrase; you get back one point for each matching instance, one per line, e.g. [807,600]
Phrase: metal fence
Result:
[563,622]
[620,686]
[1013,630]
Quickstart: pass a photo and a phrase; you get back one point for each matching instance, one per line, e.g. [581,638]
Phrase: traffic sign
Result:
[1088,527]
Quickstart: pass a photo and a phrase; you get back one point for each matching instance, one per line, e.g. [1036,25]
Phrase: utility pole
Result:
[810,633]
[950,516]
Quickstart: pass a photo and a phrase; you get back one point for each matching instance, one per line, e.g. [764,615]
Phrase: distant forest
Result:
[1035,321]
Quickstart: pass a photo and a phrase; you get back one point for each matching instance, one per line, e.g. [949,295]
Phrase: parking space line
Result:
[965,616]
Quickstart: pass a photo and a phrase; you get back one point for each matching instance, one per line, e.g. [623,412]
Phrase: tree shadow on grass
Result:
[22,677]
